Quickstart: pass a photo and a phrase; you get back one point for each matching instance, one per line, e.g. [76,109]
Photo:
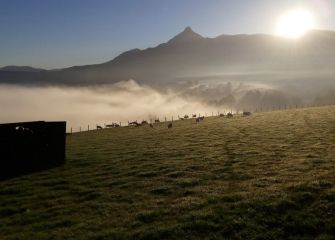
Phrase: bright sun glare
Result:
[295,23]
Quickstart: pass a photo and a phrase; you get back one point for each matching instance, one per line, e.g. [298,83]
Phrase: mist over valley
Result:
[187,74]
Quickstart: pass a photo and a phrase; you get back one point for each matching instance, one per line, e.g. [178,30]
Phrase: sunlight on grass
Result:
[267,176]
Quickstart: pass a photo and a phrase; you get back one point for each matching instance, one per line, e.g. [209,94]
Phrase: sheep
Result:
[230,115]
[135,123]
[246,114]
[112,125]
[198,119]
[132,123]
[99,127]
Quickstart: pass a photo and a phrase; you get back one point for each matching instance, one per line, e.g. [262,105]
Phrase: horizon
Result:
[74,33]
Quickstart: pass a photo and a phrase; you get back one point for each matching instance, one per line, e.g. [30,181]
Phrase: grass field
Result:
[267,176]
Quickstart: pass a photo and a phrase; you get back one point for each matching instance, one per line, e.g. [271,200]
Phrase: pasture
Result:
[265,176]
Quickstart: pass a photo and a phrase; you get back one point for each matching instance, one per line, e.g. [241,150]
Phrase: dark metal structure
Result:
[31,146]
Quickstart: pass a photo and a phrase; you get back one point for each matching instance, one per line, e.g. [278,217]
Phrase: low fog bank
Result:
[83,106]
[128,101]
[261,90]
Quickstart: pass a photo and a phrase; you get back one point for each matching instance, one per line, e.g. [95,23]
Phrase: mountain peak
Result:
[188,29]
[186,36]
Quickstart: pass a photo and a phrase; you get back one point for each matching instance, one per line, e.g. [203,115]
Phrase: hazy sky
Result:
[61,33]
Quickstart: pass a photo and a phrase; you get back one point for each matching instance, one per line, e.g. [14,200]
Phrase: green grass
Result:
[268,176]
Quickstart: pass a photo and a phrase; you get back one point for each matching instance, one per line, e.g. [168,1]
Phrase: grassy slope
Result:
[268,176]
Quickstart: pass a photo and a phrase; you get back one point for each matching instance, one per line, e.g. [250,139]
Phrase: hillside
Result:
[190,55]
[267,176]
[20,69]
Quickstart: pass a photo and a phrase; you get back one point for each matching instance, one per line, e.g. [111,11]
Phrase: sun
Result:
[295,23]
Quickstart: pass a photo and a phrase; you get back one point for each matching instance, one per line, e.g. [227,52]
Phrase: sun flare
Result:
[295,23]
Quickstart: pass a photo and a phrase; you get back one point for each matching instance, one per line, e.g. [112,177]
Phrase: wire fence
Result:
[178,117]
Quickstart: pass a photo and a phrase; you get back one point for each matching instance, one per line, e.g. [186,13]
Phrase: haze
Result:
[123,102]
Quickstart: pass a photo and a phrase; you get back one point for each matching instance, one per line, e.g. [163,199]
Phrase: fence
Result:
[176,117]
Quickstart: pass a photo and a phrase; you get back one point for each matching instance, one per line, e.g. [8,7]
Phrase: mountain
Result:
[189,56]
[21,69]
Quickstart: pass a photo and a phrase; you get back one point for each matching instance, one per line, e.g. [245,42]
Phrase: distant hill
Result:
[189,55]
[21,69]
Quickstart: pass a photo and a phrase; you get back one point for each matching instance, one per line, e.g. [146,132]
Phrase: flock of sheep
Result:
[194,116]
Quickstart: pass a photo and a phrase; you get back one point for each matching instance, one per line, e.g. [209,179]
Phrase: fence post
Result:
[79,129]
[71,130]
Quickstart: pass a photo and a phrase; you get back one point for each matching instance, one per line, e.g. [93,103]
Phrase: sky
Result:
[55,34]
